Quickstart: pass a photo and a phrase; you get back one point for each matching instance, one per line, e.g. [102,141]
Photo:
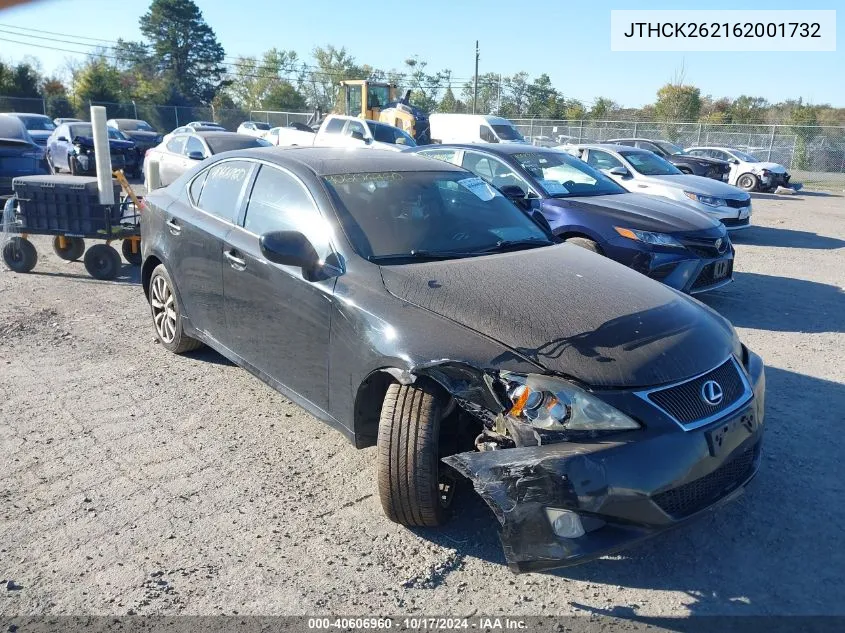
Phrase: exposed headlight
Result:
[710,201]
[658,239]
[556,405]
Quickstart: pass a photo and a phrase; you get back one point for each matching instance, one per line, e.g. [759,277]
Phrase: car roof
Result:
[611,146]
[494,148]
[19,114]
[126,120]
[212,133]
[324,161]
[638,138]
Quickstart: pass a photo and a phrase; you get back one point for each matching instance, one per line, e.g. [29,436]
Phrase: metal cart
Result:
[68,208]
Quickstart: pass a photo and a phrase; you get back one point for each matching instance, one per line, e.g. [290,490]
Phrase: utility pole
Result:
[499,100]
[475,92]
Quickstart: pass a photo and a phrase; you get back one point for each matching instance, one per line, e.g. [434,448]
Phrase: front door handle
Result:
[234,261]
[174,227]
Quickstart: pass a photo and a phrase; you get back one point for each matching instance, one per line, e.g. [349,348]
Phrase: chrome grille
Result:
[684,401]
[697,495]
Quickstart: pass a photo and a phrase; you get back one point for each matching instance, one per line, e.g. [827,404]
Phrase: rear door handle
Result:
[174,227]
[234,261]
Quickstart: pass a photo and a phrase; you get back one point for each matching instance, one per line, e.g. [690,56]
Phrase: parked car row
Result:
[424,304]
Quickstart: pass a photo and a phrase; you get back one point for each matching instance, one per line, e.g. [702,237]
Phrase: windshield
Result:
[116,135]
[261,126]
[507,132]
[38,123]
[81,129]
[219,144]
[748,158]
[649,164]
[392,216]
[561,175]
[670,148]
[389,134]
[135,125]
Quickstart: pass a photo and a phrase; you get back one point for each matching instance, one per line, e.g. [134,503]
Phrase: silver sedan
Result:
[641,171]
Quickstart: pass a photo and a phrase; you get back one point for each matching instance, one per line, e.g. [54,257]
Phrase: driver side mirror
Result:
[358,136]
[63,139]
[620,171]
[734,161]
[289,248]
[195,155]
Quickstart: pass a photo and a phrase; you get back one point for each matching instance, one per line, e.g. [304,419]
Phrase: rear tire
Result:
[586,243]
[167,314]
[748,182]
[20,255]
[102,262]
[73,251]
[408,464]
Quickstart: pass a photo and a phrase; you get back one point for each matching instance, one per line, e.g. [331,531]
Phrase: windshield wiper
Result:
[503,245]
[419,254]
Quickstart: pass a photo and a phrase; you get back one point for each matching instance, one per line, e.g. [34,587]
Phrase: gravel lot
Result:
[135,481]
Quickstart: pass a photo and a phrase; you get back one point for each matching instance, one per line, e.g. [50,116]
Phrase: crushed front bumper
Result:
[623,492]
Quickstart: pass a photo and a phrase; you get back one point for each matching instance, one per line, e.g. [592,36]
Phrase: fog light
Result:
[565,523]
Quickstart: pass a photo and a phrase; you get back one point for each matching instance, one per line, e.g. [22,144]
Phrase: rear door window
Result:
[224,187]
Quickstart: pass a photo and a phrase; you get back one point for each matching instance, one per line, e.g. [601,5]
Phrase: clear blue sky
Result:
[567,40]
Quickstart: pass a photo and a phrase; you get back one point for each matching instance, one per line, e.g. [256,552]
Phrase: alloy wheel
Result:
[164,309]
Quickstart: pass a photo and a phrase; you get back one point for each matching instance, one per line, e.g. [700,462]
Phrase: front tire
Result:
[167,314]
[409,468]
[20,255]
[748,182]
[73,166]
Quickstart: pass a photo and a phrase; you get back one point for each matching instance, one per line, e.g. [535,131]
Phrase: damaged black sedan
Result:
[410,305]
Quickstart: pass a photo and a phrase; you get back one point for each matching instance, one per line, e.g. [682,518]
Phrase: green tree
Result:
[677,102]
[333,65]
[541,97]
[19,80]
[515,94]
[424,87]
[448,103]
[488,93]
[285,97]
[96,80]
[264,84]
[804,122]
[185,47]
[603,108]
[747,109]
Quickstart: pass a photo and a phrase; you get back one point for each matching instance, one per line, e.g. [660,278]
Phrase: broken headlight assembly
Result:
[553,404]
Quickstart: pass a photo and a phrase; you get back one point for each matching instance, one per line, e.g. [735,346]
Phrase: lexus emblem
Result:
[712,393]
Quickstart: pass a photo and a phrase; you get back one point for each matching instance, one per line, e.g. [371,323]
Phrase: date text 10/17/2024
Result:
[418,623]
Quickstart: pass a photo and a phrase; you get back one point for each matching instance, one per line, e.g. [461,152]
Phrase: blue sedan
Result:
[664,240]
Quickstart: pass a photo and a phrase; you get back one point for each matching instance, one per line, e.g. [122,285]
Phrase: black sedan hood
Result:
[141,136]
[639,211]
[88,141]
[573,312]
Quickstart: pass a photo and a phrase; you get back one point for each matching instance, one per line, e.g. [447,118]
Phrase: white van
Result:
[472,128]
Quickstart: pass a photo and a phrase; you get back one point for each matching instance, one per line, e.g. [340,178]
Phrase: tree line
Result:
[181,63]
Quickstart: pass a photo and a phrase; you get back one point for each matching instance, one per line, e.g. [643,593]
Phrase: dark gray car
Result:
[410,305]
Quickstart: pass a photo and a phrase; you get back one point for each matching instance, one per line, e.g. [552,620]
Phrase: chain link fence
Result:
[813,154]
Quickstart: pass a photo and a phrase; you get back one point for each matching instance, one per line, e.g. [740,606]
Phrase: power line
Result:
[239,61]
